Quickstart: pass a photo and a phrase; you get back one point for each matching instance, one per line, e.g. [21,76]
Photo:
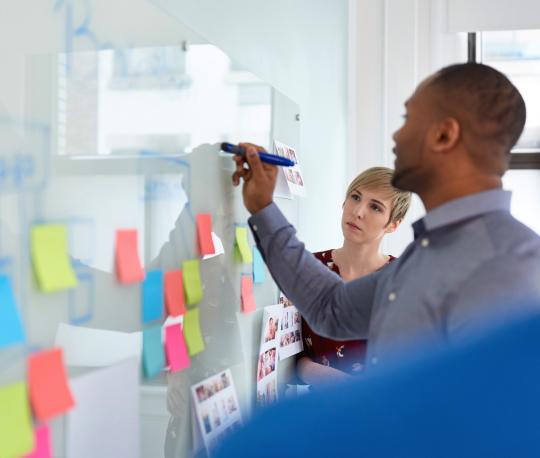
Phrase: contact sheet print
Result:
[290,340]
[268,360]
[216,407]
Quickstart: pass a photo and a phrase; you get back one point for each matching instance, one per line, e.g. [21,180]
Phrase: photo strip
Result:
[216,408]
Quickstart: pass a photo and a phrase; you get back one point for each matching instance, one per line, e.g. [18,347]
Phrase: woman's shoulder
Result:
[324,256]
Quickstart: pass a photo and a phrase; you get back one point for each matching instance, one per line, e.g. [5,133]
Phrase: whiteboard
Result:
[111,114]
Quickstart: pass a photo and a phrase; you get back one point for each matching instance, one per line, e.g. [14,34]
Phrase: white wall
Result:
[394,45]
[300,48]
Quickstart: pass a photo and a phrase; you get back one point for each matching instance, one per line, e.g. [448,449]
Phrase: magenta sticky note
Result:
[175,348]
[43,443]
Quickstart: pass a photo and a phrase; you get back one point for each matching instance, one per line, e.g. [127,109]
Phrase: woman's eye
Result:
[355,197]
[375,208]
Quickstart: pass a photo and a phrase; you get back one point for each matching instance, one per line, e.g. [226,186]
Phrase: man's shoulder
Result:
[510,235]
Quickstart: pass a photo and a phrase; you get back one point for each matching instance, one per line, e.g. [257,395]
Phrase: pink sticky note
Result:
[175,348]
[204,234]
[174,293]
[47,384]
[128,265]
[43,443]
[248,300]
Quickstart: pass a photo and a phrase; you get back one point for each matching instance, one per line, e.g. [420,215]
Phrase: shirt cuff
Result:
[267,222]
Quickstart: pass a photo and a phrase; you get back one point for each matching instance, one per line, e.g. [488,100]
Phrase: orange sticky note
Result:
[128,264]
[42,439]
[204,234]
[47,384]
[175,348]
[248,300]
[174,293]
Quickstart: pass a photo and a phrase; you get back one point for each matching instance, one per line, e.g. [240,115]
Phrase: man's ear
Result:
[445,135]
[392,226]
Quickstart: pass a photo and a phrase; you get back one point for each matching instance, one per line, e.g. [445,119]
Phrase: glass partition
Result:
[112,121]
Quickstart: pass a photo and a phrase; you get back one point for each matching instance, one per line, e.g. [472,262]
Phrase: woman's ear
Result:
[392,226]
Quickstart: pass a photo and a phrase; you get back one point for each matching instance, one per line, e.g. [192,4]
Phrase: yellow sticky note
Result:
[16,430]
[192,281]
[52,265]
[243,245]
[192,331]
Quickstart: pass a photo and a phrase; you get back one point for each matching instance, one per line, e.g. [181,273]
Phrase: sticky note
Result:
[42,441]
[248,300]
[192,332]
[11,327]
[204,234]
[52,266]
[153,356]
[128,264]
[259,274]
[192,281]
[174,293]
[48,386]
[16,433]
[243,245]
[175,348]
[152,296]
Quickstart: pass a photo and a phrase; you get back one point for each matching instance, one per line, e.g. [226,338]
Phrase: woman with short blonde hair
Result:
[372,208]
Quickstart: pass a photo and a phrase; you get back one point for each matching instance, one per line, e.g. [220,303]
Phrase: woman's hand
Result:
[259,178]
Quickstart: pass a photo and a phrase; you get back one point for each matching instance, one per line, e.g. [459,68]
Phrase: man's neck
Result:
[457,190]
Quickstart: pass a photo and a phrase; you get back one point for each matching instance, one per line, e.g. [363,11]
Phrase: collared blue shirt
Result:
[469,261]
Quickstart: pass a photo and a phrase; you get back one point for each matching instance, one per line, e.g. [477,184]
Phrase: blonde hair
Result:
[380,178]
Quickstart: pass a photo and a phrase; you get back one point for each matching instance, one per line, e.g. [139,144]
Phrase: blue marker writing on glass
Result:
[265,157]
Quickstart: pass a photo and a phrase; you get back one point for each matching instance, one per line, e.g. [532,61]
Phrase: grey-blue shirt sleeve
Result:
[332,307]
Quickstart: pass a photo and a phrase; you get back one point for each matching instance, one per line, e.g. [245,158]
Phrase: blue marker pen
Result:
[265,157]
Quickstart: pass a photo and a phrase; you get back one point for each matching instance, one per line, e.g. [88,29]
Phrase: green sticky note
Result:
[243,245]
[52,265]
[192,281]
[237,255]
[16,430]
[192,331]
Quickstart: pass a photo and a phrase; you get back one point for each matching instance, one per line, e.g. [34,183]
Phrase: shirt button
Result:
[254,227]
[374,360]
[392,297]
[425,242]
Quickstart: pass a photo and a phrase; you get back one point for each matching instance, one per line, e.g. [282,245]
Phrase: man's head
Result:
[463,120]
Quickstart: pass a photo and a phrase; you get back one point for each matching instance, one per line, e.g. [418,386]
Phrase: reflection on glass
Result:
[517,54]
[167,99]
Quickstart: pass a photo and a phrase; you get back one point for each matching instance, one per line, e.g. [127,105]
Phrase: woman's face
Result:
[365,216]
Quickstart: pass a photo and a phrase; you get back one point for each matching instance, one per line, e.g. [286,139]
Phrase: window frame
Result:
[520,158]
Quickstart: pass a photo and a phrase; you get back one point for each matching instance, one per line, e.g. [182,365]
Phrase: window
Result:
[517,54]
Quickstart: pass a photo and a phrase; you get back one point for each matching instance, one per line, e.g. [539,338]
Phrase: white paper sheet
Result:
[216,407]
[267,363]
[96,347]
[105,420]
[293,175]
[218,247]
[290,339]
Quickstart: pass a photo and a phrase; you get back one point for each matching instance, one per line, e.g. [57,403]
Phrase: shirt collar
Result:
[466,207]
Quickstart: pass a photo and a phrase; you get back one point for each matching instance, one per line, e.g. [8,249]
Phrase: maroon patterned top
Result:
[346,356]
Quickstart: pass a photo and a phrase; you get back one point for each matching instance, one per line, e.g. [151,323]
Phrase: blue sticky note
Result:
[11,328]
[153,353]
[259,273]
[152,296]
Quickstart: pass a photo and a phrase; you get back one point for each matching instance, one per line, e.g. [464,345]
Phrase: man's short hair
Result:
[492,107]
